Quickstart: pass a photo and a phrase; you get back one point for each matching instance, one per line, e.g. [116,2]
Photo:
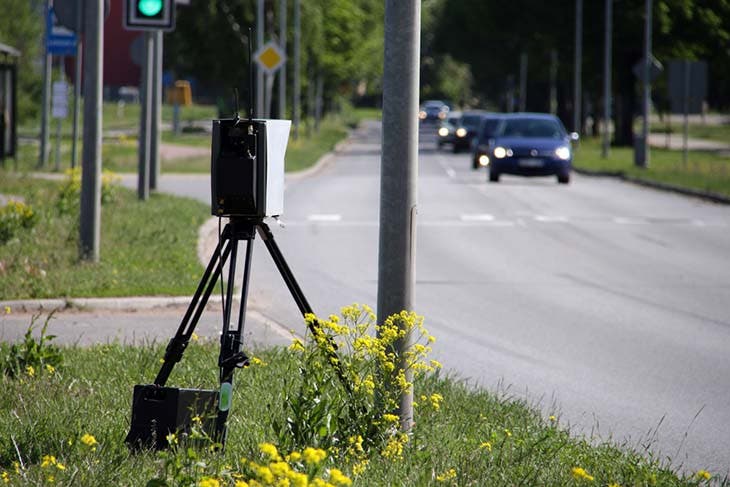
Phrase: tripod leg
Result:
[231,356]
[179,342]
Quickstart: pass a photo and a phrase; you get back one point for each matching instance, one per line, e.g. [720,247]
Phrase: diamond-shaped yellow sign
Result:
[269,57]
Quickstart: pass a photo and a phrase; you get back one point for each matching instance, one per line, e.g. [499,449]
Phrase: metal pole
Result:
[554,81]
[685,96]
[77,85]
[297,60]
[523,81]
[644,155]
[90,215]
[399,172]
[145,120]
[577,93]
[156,109]
[62,77]
[46,96]
[259,44]
[608,35]
[282,70]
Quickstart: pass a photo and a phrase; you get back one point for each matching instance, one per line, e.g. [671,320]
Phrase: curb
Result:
[696,193]
[112,304]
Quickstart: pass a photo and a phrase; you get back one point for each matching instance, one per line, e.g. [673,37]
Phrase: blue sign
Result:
[59,40]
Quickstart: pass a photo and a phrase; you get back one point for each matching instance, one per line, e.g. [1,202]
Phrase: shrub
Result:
[31,357]
[70,192]
[14,216]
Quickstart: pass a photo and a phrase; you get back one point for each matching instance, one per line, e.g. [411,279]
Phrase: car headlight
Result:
[461,132]
[500,152]
[563,153]
[422,115]
[484,160]
[443,131]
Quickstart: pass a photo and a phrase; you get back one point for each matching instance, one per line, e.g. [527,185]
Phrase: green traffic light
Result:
[149,8]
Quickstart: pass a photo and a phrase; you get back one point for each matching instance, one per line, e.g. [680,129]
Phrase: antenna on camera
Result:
[237,108]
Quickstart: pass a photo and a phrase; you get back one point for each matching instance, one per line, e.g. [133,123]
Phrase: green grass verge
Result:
[147,248]
[704,171]
[474,438]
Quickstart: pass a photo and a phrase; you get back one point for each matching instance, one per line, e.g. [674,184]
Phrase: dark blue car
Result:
[531,144]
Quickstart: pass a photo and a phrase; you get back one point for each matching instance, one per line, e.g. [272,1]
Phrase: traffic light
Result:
[149,15]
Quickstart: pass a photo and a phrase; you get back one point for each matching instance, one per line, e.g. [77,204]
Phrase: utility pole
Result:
[297,60]
[642,154]
[260,88]
[145,118]
[77,82]
[554,81]
[607,79]
[46,96]
[282,69]
[577,93]
[523,81]
[156,109]
[90,214]
[399,173]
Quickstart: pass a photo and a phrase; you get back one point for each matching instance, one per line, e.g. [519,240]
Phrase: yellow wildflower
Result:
[30,370]
[50,369]
[171,439]
[294,456]
[209,482]
[390,418]
[436,364]
[552,418]
[258,361]
[447,475]
[89,440]
[436,401]
[7,310]
[270,451]
[194,337]
[486,446]
[508,433]
[580,474]
[703,475]
[264,474]
[47,461]
[298,479]
[338,478]
[296,345]
[241,483]
[280,469]
[314,455]
[6,477]
[613,484]
[360,468]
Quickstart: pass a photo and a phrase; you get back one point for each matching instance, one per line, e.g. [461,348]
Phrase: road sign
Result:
[149,15]
[59,99]
[690,86]
[60,40]
[269,57]
[655,69]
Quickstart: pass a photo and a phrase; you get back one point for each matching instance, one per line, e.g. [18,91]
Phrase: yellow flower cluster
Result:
[579,473]
[50,461]
[394,447]
[89,441]
[446,476]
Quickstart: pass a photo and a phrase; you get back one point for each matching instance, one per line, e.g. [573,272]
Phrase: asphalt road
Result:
[604,303]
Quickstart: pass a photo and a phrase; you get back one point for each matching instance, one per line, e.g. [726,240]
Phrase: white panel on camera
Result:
[277,136]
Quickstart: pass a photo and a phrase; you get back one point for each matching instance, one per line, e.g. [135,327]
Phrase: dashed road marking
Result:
[477,217]
[324,217]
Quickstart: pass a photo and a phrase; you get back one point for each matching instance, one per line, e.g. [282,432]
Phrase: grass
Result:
[147,248]
[705,171]
[475,438]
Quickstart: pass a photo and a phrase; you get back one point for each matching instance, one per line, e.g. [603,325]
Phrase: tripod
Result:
[151,415]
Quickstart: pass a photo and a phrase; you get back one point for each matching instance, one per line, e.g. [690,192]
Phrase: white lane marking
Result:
[324,217]
[628,221]
[477,217]
[551,219]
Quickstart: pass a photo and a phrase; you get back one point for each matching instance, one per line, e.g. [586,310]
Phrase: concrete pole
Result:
[90,215]
[46,95]
[77,85]
[156,109]
[577,88]
[607,61]
[259,72]
[399,171]
[282,69]
[297,67]
[523,81]
[642,159]
[59,123]
[145,119]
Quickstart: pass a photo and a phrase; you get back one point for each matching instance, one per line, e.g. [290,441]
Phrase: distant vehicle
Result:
[433,111]
[446,132]
[531,144]
[485,135]
[467,129]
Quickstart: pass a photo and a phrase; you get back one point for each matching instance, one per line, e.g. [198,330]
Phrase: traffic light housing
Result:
[149,15]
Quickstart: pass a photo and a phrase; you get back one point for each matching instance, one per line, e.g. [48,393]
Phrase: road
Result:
[602,302]
[608,300]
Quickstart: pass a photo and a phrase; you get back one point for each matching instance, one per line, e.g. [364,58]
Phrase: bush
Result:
[70,193]
[15,216]
[31,357]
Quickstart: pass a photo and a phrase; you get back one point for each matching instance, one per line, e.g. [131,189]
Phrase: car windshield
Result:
[490,127]
[471,120]
[532,128]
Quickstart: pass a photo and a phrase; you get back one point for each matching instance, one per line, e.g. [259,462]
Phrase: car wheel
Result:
[564,179]
[493,176]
